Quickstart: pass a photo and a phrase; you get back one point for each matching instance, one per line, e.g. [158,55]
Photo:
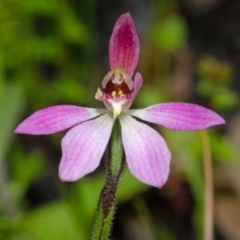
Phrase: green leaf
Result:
[71,29]
[11,107]
[69,89]
[85,199]
[224,99]
[39,7]
[171,34]
[205,87]
[149,95]
[129,187]
[24,169]
[53,221]
[222,149]
[46,49]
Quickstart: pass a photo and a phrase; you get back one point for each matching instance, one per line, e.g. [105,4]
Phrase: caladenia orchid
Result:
[145,151]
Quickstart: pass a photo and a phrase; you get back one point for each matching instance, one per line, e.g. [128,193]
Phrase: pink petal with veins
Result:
[147,154]
[83,147]
[179,116]
[136,85]
[124,46]
[56,118]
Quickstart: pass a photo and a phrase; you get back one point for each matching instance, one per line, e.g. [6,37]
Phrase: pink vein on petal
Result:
[56,118]
[179,116]
[83,147]
[147,154]
[124,46]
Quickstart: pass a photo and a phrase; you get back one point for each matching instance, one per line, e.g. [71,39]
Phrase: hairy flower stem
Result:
[208,187]
[115,162]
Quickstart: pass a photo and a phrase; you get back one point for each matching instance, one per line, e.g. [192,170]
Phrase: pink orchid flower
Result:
[147,155]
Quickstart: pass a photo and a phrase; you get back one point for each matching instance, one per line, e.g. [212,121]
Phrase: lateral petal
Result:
[179,116]
[136,86]
[147,154]
[56,118]
[124,46]
[83,147]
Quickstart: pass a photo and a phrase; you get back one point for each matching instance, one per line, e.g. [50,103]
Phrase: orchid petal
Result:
[147,154]
[136,86]
[83,147]
[56,118]
[179,116]
[124,45]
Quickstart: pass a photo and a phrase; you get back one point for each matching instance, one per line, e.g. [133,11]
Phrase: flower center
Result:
[117,85]
[116,91]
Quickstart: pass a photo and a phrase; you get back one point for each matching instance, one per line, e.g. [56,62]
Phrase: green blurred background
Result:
[56,52]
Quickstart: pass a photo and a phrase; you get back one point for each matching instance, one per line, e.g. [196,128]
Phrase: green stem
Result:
[115,162]
[208,186]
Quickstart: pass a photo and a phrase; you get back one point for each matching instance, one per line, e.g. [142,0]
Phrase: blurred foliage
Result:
[46,46]
[48,56]
[215,79]
[171,33]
